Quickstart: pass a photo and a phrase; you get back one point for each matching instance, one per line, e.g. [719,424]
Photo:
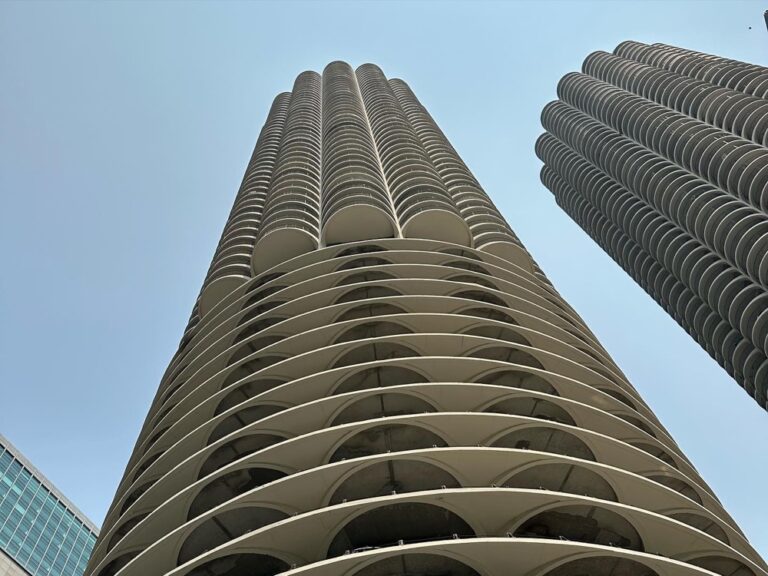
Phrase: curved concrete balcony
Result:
[353,185]
[371,380]
[746,78]
[456,176]
[463,259]
[731,110]
[424,206]
[291,215]
[286,240]
[229,268]
[747,364]
[734,164]
[730,228]
[734,296]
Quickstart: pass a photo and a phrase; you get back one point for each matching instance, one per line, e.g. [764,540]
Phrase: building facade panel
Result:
[659,153]
[403,401]
[41,532]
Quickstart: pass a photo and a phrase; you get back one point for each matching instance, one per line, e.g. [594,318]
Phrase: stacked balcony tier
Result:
[348,156]
[392,386]
[356,204]
[659,153]
[407,407]
[490,232]
[424,206]
[291,220]
[231,264]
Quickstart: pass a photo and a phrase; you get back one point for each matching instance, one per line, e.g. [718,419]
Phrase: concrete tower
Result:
[378,380]
[659,153]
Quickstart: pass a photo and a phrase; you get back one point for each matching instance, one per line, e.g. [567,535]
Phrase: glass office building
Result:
[41,532]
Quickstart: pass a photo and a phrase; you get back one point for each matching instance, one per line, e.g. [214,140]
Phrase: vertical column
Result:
[356,204]
[291,221]
[489,230]
[231,265]
[424,206]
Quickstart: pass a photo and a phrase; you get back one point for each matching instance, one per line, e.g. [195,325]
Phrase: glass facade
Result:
[39,529]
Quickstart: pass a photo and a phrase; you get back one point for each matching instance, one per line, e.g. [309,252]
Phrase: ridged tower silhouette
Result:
[659,153]
[378,380]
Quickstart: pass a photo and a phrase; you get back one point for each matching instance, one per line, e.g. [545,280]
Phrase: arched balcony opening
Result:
[241,419]
[637,423]
[261,294]
[374,351]
[241,565]
[608,375]
[224,527]
[166,410]
[256,327]
[519,379]
[245,392]
[546,440]
[367,292]
[363,262]
[170,393]
[402,523]
[136,494]
[567,478]
[588,524]
[367,276]
[508,354]
[229,486]
[146,464]
[461,253]
[619,396]
[251,367]
[259,310]
[264,279]
[155,437]
[706,525]
[499,333]
[362,249]
[602,566]
[372,330]
[252,346]
[678,486]
[417,565]
[722,565]
[468,266]
[124,528]
[480,296]
[534,408]
[387,438]
[369,311]
[382,406]
[379,377]
[471,279]
[490,313]
[118,563]
[393,477]
[655,451]
[236,449]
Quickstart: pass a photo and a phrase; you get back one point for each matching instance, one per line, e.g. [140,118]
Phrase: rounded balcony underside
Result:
[511,252]
[280,245]
[214,292]
[357,222]
[440,225]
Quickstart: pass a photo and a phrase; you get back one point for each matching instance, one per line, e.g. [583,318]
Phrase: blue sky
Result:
[124,133]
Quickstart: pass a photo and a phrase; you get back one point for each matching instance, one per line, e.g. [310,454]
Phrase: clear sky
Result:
[124,133]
